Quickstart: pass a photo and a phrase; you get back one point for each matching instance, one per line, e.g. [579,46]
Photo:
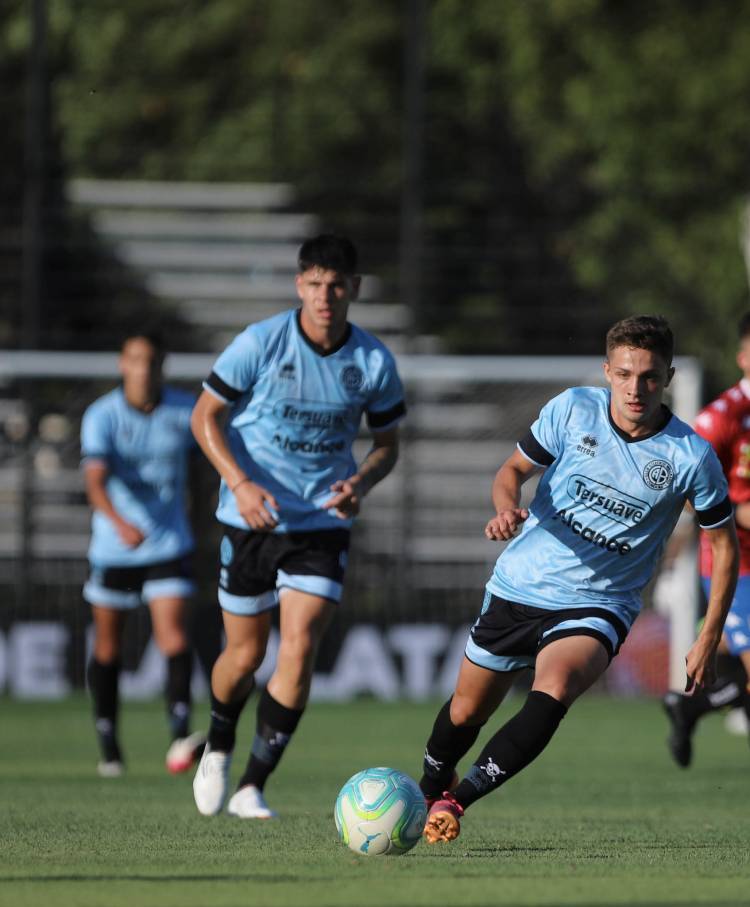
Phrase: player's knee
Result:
[106,651]
[297,648]
[245,659]
[465,712]
[564,689]
[172,643]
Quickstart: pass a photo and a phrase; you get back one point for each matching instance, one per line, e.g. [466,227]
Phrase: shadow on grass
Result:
[227,877]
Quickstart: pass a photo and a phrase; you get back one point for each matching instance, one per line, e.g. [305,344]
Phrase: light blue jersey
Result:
[604,507]
[147,457]
[296,411]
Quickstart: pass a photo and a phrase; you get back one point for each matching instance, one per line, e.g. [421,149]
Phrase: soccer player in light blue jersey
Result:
[136,441]
[617,468]
[277,418]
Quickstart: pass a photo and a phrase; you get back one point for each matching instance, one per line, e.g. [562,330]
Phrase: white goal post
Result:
[465,415]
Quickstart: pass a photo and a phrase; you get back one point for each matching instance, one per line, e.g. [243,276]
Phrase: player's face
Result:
[141,369]
[743,356]
[638,379]
[325,299]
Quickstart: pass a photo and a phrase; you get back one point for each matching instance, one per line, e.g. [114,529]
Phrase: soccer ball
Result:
[380,811]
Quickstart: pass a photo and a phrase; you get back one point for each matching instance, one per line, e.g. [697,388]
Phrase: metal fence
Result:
[419,559]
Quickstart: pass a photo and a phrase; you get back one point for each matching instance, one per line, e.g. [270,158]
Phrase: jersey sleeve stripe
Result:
[92,459]
[715,516]
[387,417]
[221,389]
[533,450]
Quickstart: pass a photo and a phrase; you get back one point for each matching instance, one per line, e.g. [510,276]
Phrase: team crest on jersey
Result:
[658,474]
[226,551]
[286,372]
[352,378]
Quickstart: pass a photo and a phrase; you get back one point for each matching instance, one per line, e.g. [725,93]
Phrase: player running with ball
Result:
[617,468]
[277,419]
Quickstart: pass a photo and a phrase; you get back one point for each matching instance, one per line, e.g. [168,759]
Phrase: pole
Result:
[410,267]
[33,251]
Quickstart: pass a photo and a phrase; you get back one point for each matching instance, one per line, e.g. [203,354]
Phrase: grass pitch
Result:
[601,818]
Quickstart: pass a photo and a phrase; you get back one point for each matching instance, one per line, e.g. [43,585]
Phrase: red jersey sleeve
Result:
[716,424]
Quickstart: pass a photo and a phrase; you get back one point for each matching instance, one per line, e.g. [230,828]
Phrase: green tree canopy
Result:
[584,159]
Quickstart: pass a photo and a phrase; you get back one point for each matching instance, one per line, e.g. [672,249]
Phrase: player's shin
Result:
[222,731]
[179,670]
[512,748]
[276,724]
[447,744]
[103,680]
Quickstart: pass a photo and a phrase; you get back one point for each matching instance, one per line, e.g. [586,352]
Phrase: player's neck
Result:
[637,430]
[146,400]
[324,337]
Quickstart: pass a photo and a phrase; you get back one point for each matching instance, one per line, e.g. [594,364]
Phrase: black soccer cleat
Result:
[680,740]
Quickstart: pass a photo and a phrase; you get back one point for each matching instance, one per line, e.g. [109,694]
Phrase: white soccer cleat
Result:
[211,781]
[111,769]
[183,752]
[736,722]
[249,803]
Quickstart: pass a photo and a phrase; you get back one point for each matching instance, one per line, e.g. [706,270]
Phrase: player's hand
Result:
[347,497]
[505,525]
[251,502]
[700,665]
[130,535]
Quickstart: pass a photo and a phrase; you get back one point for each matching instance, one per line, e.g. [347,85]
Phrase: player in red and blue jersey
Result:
[725,424]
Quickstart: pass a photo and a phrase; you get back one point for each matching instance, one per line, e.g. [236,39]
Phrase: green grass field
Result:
[602,817]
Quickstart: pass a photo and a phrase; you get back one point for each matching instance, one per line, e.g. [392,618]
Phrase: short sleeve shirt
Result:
[605,505]
[296,411]
[146,455]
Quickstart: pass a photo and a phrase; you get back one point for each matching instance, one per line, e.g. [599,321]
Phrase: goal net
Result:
[419,559]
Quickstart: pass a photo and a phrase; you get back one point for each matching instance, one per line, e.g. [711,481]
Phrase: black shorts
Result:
[127,587]
[255,565]
[508,636]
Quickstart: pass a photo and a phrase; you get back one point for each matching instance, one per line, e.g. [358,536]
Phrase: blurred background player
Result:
[136,442]
[725,423]
[618,468]
[277,418]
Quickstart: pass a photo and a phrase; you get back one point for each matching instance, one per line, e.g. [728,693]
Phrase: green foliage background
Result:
[583,159]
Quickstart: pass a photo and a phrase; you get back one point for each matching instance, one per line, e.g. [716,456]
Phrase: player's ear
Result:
[605,366]
[298,284]
[356,283]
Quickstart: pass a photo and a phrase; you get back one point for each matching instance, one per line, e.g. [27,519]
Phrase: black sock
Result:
[513,747]
[725,691]
[222,731]
[276,724]
[447,744]
[179,670]
[104,682]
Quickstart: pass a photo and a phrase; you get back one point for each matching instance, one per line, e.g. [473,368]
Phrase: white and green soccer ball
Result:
[380,811]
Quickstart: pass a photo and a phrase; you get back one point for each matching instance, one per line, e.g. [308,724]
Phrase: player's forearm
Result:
[725,567]
[97,496]
[506,489]
[376,465]
[742,515]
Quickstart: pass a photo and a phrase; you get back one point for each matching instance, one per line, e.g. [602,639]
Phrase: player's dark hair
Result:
[330,252]
[155,338]
[643,332]
[743,326]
